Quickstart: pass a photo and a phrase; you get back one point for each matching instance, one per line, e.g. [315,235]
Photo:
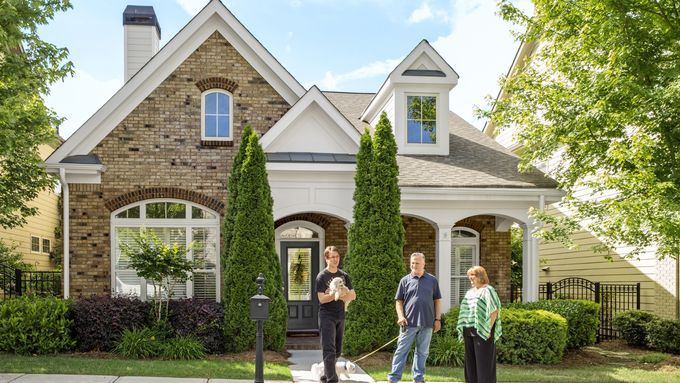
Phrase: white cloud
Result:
[480,49]
[192,7]
[79,97]
[422,13]
[379,68]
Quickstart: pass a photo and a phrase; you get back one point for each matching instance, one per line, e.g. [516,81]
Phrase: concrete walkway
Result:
[42,378]
[301,368]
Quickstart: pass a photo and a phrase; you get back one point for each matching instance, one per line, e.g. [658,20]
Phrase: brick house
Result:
[159,152]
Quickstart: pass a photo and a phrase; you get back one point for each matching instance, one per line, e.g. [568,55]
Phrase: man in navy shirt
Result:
[332,312]
[418,302]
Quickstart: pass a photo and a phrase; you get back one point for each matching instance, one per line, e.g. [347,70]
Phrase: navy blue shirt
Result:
[418,295]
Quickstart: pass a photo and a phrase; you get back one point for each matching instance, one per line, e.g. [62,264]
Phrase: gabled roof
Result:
[213,17]
[475,160]
[338,131]
[424,65]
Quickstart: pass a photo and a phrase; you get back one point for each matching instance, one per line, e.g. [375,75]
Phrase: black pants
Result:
[332,331]
[480,357]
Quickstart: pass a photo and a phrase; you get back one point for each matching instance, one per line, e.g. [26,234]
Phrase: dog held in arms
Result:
[342,368]
[337,289]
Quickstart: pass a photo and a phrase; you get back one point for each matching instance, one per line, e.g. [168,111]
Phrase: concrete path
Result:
[301,368]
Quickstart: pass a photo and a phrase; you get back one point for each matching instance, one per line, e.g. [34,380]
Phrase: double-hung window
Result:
[172,221]
[421,119]
[216,115]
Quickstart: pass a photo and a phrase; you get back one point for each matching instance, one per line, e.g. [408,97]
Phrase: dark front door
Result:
[300,265]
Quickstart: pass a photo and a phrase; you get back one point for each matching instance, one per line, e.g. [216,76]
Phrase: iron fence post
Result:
[597,292]
[637,296]
[548,291]
[17,282]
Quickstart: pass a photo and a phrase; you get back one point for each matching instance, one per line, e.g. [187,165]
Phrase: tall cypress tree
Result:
[375,261]
[232,192]
[252,252]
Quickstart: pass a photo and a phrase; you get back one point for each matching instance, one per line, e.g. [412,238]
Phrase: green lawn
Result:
[65,364]
[599,374]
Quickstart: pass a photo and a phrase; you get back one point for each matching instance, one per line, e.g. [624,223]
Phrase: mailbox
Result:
[259,304]
[259,307]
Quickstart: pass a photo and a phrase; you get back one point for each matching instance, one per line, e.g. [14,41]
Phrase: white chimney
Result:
[142,36]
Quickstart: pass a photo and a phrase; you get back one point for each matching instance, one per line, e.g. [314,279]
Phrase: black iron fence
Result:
[17,282]
[613,297]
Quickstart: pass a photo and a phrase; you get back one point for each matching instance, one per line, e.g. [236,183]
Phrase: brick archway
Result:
[164,192]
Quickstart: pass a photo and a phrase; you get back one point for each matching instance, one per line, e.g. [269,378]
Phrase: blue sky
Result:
[345,45]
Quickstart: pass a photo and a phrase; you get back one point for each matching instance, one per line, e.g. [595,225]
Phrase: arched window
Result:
[173,221]
[216,115]
[464,255]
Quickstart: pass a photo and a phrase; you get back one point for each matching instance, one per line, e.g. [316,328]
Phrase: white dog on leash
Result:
[337,289]
[341,368]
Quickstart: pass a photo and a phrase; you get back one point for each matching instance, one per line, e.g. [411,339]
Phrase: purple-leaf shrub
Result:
[201,318]
[99,321]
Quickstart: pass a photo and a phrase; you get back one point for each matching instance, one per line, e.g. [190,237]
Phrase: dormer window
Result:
[216,118]
[421,119]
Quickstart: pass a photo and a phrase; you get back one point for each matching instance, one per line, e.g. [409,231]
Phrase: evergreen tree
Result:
[252,252]
[375,263]
[230,213]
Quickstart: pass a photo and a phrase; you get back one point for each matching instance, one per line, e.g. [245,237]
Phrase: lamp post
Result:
[259,311]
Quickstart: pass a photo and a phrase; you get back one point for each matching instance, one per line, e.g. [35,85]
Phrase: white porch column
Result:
[444,264]
[529,264]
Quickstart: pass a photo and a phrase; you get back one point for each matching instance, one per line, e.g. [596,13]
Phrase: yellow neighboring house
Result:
[36,239]
[659,279]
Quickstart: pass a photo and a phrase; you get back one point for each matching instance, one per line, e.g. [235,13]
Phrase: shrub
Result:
[253,251]
[664,335]
[183,347]
[99,321]
[31,325]
[446,350]
[531,336]
[633,326]
[138,344]
[583,318]
[202,319]
[449,322]
[376,240]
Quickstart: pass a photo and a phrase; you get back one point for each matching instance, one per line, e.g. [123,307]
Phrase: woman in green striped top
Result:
[479,326]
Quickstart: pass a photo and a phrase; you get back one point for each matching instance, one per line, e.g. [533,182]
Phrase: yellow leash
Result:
[376,350]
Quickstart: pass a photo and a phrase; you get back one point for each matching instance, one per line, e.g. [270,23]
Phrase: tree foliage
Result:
[232,193]
[376,242]
[164,265]
[252,252]
[28,66]
[600,100]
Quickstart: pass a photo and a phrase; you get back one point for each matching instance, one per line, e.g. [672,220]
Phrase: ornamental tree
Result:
[28,66]
[252,252]
[376,242]
[600,99]
[164,265]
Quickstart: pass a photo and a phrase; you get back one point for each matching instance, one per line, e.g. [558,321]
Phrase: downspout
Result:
[65,234]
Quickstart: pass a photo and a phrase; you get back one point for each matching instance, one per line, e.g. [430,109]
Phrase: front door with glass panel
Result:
[300,265]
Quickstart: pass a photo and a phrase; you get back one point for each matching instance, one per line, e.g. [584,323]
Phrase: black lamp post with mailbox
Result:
[259,311]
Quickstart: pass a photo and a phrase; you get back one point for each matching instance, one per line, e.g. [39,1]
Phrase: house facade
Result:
[659,279]
[159,152]
[36,240]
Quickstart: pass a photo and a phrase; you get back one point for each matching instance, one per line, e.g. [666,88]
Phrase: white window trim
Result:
[42,245]
[230,137]
[436,121]
[186,223]
[39,244]
[464,241]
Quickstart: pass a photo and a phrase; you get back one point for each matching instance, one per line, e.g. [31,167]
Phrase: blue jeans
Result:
[422,336]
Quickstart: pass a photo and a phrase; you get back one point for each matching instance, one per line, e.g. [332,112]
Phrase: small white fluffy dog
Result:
[337,289]
[341,368]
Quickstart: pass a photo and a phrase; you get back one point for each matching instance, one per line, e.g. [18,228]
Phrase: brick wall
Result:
[158,147]
[420,237]
[494,252]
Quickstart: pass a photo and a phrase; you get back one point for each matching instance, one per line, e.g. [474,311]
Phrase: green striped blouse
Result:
[476,309]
